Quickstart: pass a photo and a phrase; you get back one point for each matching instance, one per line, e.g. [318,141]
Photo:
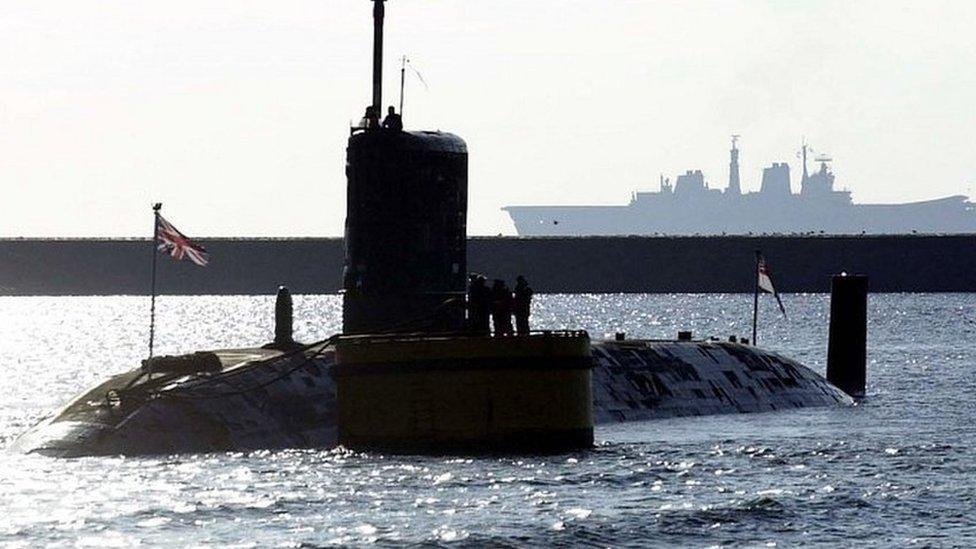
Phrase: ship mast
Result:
[804,151]
[734,186]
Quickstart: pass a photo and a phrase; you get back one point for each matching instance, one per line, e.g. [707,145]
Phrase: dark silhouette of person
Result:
[479,305]
[523,305]
[371,119]
[393,120]
[501,308]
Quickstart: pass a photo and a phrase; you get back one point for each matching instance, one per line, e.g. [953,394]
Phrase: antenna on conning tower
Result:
[403,79]
[378,13]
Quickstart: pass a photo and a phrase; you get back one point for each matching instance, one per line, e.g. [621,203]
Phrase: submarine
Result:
[406,375]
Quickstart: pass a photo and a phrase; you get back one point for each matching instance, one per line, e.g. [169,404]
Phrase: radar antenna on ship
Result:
[824,160]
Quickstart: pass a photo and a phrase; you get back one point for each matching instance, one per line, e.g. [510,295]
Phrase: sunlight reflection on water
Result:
[878,472]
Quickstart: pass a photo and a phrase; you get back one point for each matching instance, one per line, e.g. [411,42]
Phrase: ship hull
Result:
[281,402]
[747,214]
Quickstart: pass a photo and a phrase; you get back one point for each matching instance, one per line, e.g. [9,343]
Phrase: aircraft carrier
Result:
[690,207]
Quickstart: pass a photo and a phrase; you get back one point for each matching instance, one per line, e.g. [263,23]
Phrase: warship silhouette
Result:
[690,207]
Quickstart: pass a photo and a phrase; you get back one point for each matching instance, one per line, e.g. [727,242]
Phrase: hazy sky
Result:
[234,113]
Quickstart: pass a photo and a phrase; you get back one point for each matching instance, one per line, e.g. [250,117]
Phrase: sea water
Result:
[896,470]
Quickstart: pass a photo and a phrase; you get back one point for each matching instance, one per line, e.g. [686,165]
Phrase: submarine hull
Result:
[276,402]
[640,380]
[263,399]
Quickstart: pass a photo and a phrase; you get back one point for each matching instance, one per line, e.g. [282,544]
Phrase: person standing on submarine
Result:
[479,305]
[371,119]
[393,121]
[501,308]
[523,305]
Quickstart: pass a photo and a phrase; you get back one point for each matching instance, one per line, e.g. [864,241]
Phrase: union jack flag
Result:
[171,241]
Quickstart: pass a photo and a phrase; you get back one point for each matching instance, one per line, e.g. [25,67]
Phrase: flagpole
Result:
[403,73]
[152,303]
[755,298]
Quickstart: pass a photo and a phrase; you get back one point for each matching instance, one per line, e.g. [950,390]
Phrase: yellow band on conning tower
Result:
[462,393]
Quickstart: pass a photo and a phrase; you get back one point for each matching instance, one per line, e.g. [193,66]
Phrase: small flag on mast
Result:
[765,275]
[171,241]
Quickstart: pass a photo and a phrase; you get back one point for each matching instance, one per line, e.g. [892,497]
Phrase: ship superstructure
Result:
[690,207]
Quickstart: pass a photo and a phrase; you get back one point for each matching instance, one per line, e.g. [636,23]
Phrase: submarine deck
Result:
[136,381]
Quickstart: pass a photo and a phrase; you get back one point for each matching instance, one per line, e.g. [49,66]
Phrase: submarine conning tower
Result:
[409,376]
[406,223]
[406,232]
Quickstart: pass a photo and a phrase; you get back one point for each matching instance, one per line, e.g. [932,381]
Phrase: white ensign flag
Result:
[766,282]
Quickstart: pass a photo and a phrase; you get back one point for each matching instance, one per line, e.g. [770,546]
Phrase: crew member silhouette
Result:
[501,308]
[479,305]
[371,119]
[393,120]
[523,305]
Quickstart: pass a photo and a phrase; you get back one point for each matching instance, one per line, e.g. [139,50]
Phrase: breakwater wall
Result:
[552,264]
